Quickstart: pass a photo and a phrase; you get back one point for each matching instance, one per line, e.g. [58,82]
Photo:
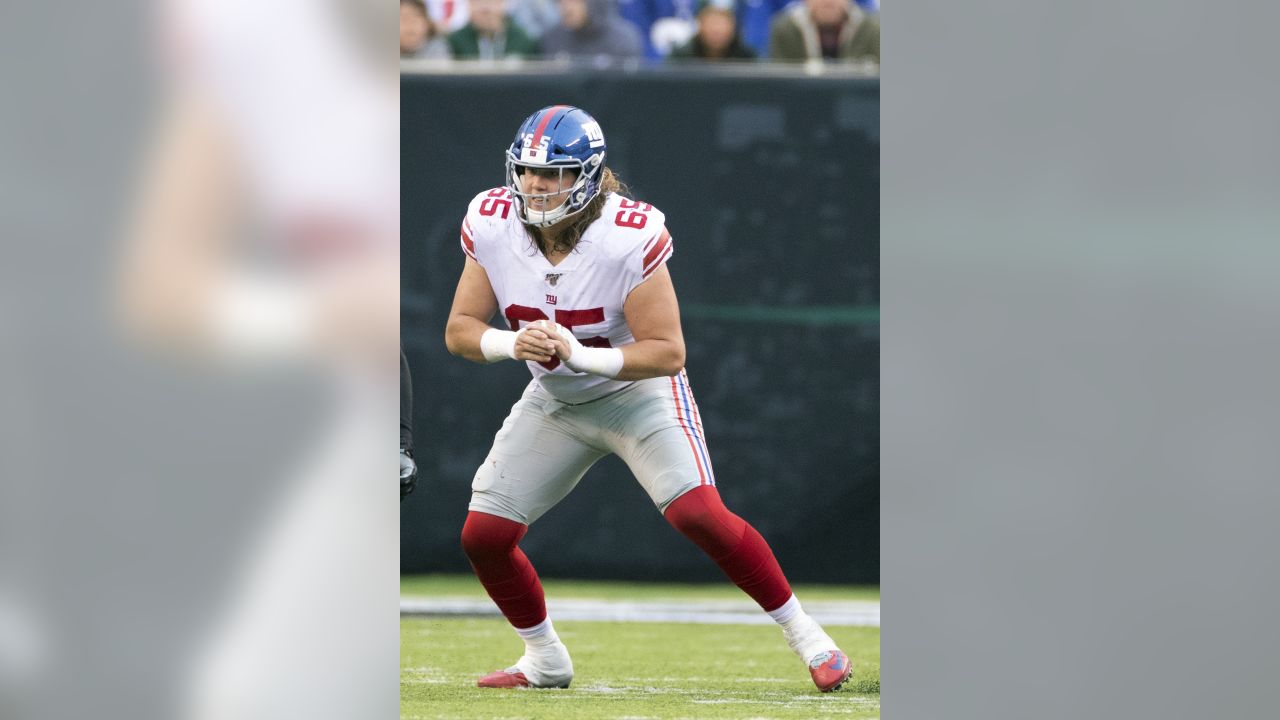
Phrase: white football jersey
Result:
[584,292]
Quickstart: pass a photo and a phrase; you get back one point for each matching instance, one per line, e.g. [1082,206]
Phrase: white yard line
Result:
[861,613]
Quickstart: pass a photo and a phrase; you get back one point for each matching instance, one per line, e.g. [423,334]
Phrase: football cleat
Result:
[830,670]
[503,679]
[511,678]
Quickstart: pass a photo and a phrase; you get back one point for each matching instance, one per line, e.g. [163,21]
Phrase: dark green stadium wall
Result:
[771,191]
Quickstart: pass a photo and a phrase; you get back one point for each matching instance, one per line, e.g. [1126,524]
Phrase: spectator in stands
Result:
[754,17]
[419,37]
[825,29]
[592,29]
[449,15]
[491,34]
[717,37]
[535,16]
[663,24]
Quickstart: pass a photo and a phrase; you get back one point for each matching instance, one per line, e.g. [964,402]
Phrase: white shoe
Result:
[807,639]
[829,668]
[550,668]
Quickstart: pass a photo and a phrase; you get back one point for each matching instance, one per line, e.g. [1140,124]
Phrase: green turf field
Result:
[629,670]
[468,586]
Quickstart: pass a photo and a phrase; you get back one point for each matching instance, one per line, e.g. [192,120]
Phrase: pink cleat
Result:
[512,678]
[830,670]
[503,679]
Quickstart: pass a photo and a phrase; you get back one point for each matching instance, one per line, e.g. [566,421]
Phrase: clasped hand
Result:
[542,340]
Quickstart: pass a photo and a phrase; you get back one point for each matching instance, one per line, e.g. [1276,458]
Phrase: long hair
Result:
[569,237]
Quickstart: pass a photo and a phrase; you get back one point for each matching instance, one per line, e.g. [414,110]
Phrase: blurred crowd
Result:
[603,31]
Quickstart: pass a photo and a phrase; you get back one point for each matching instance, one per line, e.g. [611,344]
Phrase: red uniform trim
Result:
[658,263]
[542,126]
[697,416]
[690,405]
[656,255]
[664,239]
[675,397]
[468,245]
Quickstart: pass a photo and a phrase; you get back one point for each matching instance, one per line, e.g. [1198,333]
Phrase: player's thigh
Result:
[534,462]
[659,436]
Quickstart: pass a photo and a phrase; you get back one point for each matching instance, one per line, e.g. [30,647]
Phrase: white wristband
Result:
[606,362]
[498,345]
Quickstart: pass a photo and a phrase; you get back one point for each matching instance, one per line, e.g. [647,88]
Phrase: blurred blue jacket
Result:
[644,13]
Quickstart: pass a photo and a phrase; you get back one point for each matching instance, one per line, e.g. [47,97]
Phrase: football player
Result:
[578,272]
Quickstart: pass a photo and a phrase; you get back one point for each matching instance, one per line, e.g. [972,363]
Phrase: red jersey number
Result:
[636,218]
[569,318]
[494,201]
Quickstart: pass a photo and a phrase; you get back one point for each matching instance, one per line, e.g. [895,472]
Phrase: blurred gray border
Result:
[1079,414]
[132,485]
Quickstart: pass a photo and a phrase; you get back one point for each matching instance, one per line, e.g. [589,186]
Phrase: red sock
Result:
[506,573]
[733,544]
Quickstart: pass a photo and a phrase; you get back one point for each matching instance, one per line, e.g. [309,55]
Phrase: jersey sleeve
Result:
[468,238]
[652,246]
[481,222]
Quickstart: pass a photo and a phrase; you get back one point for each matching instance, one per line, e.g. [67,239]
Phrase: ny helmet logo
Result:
[595,136]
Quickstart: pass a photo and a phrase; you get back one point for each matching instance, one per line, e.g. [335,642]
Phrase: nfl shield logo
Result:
[552,278]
